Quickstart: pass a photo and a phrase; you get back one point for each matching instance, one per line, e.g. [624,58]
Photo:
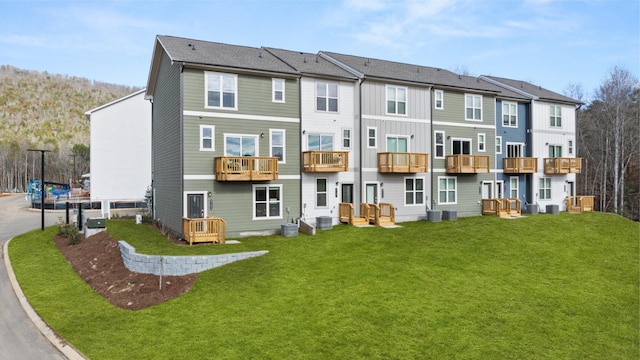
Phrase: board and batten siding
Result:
[167,146]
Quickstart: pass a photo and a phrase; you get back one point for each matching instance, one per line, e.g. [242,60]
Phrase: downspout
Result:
[532,191]
[300,148]
[360,155]
[431,96]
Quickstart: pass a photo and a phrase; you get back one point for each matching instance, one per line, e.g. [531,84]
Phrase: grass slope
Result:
[552,287]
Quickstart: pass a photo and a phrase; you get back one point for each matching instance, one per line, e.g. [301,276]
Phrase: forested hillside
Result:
[46,111]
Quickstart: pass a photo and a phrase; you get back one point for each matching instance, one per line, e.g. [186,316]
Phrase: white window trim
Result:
[570,145]
[435,145]
[327,83]
[253,201]
[406,100]
[424,191]
[397,137]
[375,138]
[519,145]
[499,185]
[257,137]
[284,144]
[517,179]
[326,192]
[206,91]
[435,100]
[559,108]
[350,137]
[499,143]
[482,145]
[465,107]
[541,188]
[456,190]
[275,81]
[213,137]
[516,114]
[469,140]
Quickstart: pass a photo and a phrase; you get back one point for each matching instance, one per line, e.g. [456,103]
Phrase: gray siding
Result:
[167,154]
[374,100]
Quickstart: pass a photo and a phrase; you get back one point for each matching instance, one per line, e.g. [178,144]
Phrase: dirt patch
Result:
[98,262]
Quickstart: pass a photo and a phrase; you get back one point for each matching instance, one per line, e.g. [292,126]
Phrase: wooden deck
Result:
[325,161]
[467,164]
[520,165]
[382,214]
[402,163]
[503,207]
[246,168]
[562,166]
[581,203]
[210,229]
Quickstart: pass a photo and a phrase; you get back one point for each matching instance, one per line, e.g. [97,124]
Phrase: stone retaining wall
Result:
[177,265]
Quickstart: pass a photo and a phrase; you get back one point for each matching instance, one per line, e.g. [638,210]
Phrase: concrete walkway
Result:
[23,335]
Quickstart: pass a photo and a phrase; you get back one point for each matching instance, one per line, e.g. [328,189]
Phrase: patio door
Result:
[571,191]
[486,189]
[195,206]
[347,193]
[371,193]
[461,147]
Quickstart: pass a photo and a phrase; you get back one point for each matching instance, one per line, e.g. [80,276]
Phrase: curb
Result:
[65,348]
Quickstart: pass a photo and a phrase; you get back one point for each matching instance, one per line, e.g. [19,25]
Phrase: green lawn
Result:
[542,287]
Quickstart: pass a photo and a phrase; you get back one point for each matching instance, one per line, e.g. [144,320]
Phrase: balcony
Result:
[211,229]
[325,161]
[520,165]
[562,166]
[467,164]
[402,162]
[246,168]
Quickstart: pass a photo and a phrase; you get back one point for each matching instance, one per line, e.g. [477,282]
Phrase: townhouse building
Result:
[226,137]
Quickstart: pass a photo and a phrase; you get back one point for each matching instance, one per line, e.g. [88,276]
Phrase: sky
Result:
[553,44]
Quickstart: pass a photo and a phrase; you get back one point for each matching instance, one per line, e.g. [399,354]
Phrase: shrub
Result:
[69,231]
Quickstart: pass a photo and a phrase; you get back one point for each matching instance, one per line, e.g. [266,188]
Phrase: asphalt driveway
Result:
[20,337]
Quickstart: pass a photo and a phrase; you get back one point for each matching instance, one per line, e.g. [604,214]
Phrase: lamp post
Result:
[74,167]
[42,192]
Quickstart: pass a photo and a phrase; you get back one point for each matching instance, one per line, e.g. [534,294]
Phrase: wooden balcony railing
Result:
[402,162]
[382,214]
[467,164]
[246,168]
[347,216]
[211,229]
[562,165]
[520,165]
[580,203]
[503,207]
[325,161]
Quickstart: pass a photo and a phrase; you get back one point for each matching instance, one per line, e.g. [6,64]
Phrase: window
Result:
[346,138]
[555,116]
[473,105]
[509,115]
[320,142]
[515,150]
[397,143]
[321,192]
[206,138]
[413,191]
[461,146]
[498,144]
[277,144]
[326,97]
[277,85]
[555,151]
[439,99]
[439,144]
[396,100]
[240,145]
[447,190]
[513,187]
[545,188]
[482,142]
[221,90]
[570,147]
[267,202]
[372,137]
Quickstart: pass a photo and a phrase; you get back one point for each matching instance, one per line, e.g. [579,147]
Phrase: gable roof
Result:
[535,92]
[207,54]
[89,112]
[311,64]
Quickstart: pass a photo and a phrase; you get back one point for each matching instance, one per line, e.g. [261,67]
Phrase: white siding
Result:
[121,149]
